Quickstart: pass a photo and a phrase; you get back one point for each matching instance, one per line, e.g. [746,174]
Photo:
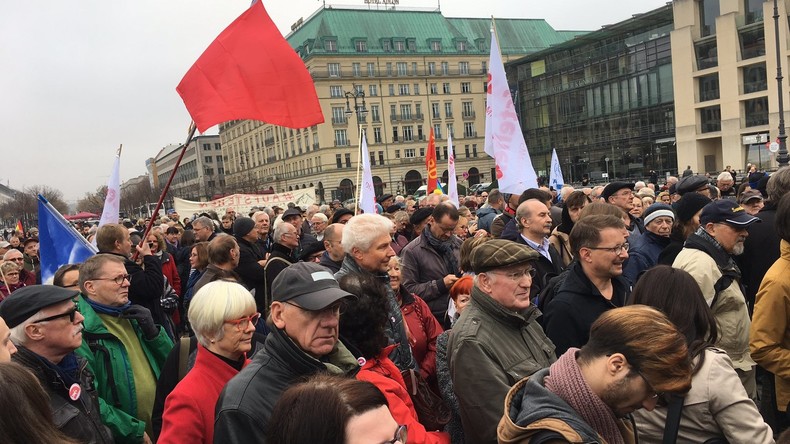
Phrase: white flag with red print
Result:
[504,140]
[452,185]
[368,198]
[112,203]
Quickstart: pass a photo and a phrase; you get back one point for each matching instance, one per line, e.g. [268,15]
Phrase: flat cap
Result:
[419,215]
[500,253]
[614,187]
[383,197]
[689,184]
[27,301]
[290,212]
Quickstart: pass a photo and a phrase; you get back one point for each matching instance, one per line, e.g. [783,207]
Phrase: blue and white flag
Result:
[59,242]
[555,175]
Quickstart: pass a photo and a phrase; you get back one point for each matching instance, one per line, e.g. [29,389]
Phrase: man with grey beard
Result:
[707,256]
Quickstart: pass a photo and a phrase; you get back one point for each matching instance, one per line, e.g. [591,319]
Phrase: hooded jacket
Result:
[485,216]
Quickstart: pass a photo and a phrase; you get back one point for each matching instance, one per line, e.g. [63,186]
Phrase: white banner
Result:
[112,203]
[368,198]
[242,203]
[452,185]
[555,175]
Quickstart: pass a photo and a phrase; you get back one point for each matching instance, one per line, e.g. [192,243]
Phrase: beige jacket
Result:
[717,405]
[562,244]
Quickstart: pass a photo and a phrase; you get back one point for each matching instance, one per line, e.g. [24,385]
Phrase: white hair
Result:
[726,176]
[363,229]
[279,230]
[18,335]
[321,216]
[215,303]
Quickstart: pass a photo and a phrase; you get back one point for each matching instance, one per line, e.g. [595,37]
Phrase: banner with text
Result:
[242,203]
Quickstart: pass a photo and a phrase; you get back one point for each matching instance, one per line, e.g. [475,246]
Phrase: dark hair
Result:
[677,295]
[171,230]
[576,199]
[586,231]
[445,209]
[57,279]
[318,410]
[188,238]
[202,254]
[363,321]
[782,222]
[340,212]
[535,193]
[31,420]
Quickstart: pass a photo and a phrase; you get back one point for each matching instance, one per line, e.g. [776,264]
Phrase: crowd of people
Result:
[621,313]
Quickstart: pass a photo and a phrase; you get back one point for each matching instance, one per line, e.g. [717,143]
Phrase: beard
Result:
[737,250]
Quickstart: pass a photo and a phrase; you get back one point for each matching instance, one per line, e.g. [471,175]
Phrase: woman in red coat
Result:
[223,318]
[362,325]
[158,248]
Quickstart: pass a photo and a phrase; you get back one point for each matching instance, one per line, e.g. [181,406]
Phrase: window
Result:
[418,110]
[400,46]
[754,11]
[469,129]
[397,154]
[450,130]
[416,89]
[389,69]
[420,135]
[445,68]
[466,151]
[437,131]
[335,91]
[754,78]
[484,68]
[392,89]
[375,114]
[386,45]
[709,87]
[411,45]
[466,87]
[408,134]
[474,150]
[208,159]
[219,159]
[334,69]
[372,159]
[435,110]
[448,110]
[463,68]
[756,111]
[330,45]
[402,67]
[381,157]
[361,46]
[446,88]
[371,69]
[434,89]
[374,90]
[422,152]
[468,110]
[348,160]
[414,68]
[431,68]
[206,147]
[405,112]
[460,46]
[403,90]
[217,147]
[707,54]
[394,133]
[752,43]
[338,115]
[341,139]
[355,70]
[339,160]
[409,153]
[710,119]
[436,46]
[708,11]
[377,135]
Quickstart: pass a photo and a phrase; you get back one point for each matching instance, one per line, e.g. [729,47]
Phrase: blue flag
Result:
[555,176]
[59,242]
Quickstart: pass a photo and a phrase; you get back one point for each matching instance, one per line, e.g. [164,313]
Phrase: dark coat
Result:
[545,269]
[251,272]
[760,251]
[424,271]
[643,255]
[485,216]
[327,262]
[278,261]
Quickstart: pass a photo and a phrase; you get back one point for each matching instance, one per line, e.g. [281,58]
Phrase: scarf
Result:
[701,240]
[108,309]
[444,249]
[566,381]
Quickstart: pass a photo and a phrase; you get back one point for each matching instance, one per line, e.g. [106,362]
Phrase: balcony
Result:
[416,117]
[339,121]
[470,134]
[468,115]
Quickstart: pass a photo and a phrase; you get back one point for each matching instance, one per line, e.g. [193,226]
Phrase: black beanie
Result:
[689,205]
[242,226]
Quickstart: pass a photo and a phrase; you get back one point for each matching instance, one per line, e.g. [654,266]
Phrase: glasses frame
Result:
[246,320]
[655,394]
[336,309]
[617,249]
[401,434]
[517,276]
[72,314]
[123,277]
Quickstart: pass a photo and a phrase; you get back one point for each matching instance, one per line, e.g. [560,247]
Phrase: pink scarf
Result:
[566,381]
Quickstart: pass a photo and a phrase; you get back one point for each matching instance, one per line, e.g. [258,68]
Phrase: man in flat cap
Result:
[46,328]
[621,195]
[304,320]
[692,184]
[497,341]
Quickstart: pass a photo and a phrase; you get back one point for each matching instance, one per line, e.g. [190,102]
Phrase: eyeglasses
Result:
[335,309]
[243,323]
[617,249]
[18,259]
[517,275]
[118,279]
[71,314]
[401,434]
[655,394]
[13,273]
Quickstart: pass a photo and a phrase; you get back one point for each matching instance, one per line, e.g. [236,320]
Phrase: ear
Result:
[585,255]
[276,312]
[34,332]
[89,288]
[356,253]
[484,282]
[616,363]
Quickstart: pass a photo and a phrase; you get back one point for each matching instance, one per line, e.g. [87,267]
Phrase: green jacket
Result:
[108,361]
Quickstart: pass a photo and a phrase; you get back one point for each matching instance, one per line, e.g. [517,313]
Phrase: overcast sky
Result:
[79,78]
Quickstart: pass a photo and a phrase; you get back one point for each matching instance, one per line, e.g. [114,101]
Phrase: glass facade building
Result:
[604,100]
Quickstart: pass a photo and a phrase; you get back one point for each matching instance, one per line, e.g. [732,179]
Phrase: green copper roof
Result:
[418,30]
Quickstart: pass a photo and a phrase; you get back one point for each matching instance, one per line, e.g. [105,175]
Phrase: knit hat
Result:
[242,226]
[657,210]
[500,253]
[689,205]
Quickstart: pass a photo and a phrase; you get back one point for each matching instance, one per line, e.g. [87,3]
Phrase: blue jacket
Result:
[485,216]
[643,255]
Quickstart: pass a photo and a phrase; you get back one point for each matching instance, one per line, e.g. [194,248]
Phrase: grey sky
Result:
[79,78]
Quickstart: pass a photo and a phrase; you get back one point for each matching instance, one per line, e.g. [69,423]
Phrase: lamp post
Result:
[782,157]
[358,94]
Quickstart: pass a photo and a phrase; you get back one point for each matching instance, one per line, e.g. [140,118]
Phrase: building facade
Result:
[410,72]
[604,100]
[201,174]
[724,54]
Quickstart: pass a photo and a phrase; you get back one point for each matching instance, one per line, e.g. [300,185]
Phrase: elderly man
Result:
[431,262]
[124,348]
[367,243]
[252,258]
[644,251]
[7,347]
[146,282]
[32,261]
[204,229]
[16,257]
[223,258]
[319,222]
[534,223]
[294,217]
[286,240]
[693,184]
[621,195]
[707,256]
[261,219]
[46,329]
[305,315]
[497,340]
[593,283]
[587,395]
[333,257]
[725,182]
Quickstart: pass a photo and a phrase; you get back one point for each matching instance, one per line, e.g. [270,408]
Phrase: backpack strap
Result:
[722,284]
[675,408]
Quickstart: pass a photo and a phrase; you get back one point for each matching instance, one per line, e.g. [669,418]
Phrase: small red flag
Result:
[250,72]
[430,162]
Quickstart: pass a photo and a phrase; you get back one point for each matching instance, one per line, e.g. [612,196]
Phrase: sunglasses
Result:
[71,314]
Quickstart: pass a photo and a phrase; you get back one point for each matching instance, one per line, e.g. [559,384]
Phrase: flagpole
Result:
[190,135]
[359,165]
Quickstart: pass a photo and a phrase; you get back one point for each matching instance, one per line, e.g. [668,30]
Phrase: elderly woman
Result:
[9,279]
[223,318]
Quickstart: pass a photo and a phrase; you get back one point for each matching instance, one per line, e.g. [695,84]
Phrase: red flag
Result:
[250,72]
[430,162]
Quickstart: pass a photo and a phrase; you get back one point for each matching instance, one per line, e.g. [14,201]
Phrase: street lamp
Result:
[782,157]
[361,111]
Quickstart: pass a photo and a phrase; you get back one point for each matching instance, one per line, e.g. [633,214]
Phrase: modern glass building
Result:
[604,100]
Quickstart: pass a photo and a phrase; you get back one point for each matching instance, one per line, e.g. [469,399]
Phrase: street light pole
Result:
[361,112]
[782,157]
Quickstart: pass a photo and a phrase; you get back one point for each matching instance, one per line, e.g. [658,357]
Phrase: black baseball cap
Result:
[309,285]
[728,212]
[27,301]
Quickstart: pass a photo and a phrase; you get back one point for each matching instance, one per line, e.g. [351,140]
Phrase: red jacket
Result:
[189,408]
[423,330]
[170,271]
[383,373]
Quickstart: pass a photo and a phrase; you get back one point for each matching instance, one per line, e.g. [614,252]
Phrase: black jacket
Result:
[577,304]
[80,419]
[246,403]
[146,285]
[760,251]
[182,263]
[545,269]
[327,262]
[278,261]
[250,271]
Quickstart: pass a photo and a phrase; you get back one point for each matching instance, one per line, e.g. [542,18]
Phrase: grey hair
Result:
[8,253]
[280,230]
[204,221]
[321,216]
[778,184]
[724,175]
[18,335]
[362,230]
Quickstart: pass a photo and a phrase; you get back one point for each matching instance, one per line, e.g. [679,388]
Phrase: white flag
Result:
[503,139]
[452,185]
[368,197]
[555,175]
[112,203]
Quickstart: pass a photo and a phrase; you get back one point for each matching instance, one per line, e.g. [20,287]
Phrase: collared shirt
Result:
[542,248]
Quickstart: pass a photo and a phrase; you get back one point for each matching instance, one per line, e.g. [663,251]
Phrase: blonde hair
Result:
[215,303]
